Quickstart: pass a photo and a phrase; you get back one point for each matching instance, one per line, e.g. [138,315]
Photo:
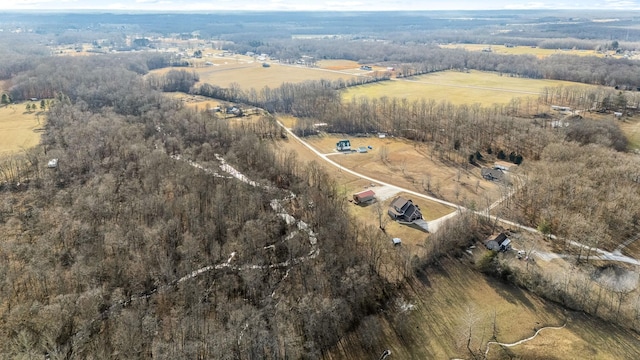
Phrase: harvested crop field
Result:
[457,87]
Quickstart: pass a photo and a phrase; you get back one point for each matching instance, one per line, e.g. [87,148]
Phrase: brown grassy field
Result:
[453,296]
[524,50]
[247,73]
[18,128]
[457,87]
[410,165]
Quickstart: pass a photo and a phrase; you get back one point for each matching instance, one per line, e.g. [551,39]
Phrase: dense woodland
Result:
[101,242]
[142,244]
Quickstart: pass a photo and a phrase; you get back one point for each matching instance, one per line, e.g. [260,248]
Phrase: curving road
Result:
[435,224]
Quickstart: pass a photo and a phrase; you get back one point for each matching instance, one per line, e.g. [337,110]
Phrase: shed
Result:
[396,241]
[52,164]
[364,197]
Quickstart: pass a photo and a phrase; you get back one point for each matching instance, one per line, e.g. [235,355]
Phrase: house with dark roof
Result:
[404,210]
[499,243]
[492,174]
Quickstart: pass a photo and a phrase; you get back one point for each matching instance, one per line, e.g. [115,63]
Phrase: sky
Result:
[311,5]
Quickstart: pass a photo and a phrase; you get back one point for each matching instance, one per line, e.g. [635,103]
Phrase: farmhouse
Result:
[495,174]
[343,145]
[364,197]
[404,210]
[499,243]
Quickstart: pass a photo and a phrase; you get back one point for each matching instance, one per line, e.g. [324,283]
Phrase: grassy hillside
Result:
[433,319]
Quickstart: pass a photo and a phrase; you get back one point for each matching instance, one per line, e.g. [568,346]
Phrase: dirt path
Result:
[523,340]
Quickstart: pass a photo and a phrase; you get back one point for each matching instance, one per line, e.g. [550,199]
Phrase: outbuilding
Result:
[364,197]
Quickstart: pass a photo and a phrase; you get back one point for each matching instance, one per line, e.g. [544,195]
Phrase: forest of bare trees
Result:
[163,232]
[104,244]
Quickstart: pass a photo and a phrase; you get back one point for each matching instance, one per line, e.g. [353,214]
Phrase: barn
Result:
[364,197]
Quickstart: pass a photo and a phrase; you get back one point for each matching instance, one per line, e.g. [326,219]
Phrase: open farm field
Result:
[457,87]
[18,127]
[453,298]
[410,165]
[251,74]
[523,50]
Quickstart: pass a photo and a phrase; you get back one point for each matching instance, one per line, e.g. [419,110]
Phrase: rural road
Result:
[325,157]
[435,224]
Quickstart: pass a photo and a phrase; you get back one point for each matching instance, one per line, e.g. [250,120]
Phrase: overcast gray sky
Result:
[336,5]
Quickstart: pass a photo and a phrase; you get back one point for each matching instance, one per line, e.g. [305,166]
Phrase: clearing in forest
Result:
[247,73]
[458,87]
[631,128]
[18,127]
